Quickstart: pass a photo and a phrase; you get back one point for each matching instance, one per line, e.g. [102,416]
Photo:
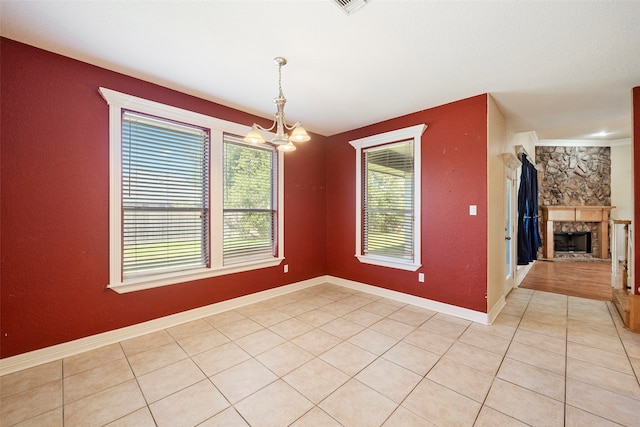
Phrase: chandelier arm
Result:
[293,126]
[265,129]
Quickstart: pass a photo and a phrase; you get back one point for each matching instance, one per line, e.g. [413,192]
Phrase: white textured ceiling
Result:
[564,69]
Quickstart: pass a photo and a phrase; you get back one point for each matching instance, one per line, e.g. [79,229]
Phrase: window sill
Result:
[388,262]
[149,282]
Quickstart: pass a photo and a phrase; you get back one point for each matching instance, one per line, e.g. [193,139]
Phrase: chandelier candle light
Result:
[283,141]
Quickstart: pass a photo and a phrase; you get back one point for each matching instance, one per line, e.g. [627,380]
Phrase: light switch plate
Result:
[473,210]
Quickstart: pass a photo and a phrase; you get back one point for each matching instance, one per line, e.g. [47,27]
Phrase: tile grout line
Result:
[616,327]
[423,377]
[314,405]
[566,362]
[495,376]
[353,377]
[62,390]
[208,379]
[139,388]
[624,347]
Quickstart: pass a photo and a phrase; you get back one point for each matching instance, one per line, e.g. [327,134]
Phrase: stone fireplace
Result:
[574,177]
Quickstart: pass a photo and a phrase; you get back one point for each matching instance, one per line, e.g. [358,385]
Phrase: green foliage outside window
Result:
[249,212]
[388,214]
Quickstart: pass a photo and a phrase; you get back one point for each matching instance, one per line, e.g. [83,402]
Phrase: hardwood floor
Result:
[575,278]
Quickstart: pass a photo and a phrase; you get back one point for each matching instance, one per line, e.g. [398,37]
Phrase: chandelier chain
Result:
[280,80]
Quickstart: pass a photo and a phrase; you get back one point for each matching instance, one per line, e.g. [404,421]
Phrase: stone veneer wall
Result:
[574,176]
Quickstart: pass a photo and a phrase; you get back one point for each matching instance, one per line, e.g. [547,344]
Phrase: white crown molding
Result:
[583,142]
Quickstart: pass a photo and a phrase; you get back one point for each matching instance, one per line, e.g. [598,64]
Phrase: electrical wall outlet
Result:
[420,277]
[286,268]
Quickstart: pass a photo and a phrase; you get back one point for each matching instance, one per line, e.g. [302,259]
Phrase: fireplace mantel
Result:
[599,214]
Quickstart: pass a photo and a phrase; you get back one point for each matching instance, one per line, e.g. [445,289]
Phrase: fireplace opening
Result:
[572,242]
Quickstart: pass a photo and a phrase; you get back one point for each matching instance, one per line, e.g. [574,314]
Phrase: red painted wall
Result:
[454,176]
[636,179]
[55,212]
[54,206]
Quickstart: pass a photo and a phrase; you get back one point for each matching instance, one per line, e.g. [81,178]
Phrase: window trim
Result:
[118,101]
[412,132]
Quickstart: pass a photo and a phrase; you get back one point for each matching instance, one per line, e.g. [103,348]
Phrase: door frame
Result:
[511,165]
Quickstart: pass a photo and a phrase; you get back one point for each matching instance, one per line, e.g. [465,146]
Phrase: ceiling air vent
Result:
[350,6]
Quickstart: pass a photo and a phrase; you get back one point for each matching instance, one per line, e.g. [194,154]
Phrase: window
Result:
[387,209]
[188,198]
[165,196]
[388,198]
[249,212]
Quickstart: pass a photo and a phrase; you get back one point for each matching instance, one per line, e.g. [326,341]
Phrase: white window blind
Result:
[165,195]
[388,200]
[249,206]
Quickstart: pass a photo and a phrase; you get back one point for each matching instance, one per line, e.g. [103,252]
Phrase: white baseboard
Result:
[496,309]
[453,310]
[522,271]
[70,348]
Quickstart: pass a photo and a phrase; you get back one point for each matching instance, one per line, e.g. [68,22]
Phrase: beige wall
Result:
[500,139]
[621,182]
[497,143]
[621,185]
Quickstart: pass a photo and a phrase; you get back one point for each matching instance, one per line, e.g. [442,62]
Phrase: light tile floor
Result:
[331,356]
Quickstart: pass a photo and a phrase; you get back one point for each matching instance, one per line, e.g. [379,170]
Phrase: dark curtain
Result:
[528,234]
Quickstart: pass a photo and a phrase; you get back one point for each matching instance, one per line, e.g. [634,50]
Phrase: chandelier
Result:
[283,141]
